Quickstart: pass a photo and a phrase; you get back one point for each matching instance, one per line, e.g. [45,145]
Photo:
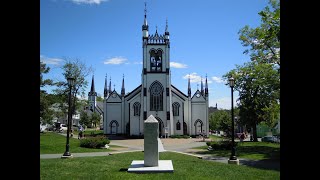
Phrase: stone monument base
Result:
[164,166]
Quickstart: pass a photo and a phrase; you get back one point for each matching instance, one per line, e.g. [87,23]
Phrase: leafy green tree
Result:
[264,41]
[79,71]
[84,118]
[46,115]
[258,85]
[99,98]
[95,119]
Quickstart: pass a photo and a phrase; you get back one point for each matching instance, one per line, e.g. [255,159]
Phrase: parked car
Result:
[270,139]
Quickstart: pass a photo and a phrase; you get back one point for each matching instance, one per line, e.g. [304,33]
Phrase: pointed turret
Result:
[189,88]
[202,92]
[110,90]
[106,92]
[92,84]
[122,88]
[145,27]
[166,33]
[206,90]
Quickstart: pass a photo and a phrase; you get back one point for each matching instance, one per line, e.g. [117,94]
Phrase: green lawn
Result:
[53,143]
[216,138]
[115,167]
[249,150]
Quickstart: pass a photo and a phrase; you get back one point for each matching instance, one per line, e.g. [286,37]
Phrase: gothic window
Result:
[156,60]
[175,108]
[178,125]
[156,97]
[136,108]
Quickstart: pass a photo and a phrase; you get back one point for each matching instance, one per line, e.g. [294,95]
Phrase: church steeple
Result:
[202,92]
[166,33]
[106,92]
[110,90]
[122,88]
[145,27]
[92,84]
[206,91]
[189,88]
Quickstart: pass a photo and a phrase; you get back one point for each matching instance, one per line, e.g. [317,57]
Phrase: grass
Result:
[115,167]
[215,138]
[53,143]
[249,150]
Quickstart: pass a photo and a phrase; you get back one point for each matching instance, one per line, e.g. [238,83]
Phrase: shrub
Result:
[180,136]
[94,142]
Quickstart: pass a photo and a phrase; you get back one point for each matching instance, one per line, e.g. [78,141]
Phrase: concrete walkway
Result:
[183,146]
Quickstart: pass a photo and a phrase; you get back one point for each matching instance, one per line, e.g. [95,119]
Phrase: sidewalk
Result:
[181,146]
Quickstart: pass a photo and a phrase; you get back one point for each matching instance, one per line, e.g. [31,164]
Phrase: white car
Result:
[63,127]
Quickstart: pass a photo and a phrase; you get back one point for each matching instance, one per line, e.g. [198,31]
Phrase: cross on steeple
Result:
[114,87]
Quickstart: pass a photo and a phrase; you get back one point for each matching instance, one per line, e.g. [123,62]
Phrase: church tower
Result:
[92,96]
[156,80]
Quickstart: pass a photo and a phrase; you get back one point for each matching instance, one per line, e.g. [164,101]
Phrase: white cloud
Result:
[195,78]
[218,79]
[177,65]
[115,60]
[47,60]
[89,1]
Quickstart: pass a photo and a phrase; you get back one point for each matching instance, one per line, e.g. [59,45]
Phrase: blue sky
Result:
[107,35]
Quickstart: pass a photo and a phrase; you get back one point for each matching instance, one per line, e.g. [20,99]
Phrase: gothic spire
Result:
[145,23]
[110,90]
[202,92]
[189,88]
[122,89]
[92,84]
[206,90]
[166,31]
[105,92]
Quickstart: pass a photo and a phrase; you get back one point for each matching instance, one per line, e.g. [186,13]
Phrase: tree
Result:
[95,119]
[258,85]
[84,118]
[264,41]
[79,71]
[46,115]
[99,98]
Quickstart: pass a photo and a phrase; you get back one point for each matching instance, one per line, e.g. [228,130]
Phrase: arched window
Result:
[178,125]
[136,108]
[156,60]
[156,96]
[175,108]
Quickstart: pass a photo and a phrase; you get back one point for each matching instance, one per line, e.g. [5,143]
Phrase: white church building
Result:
[177,113]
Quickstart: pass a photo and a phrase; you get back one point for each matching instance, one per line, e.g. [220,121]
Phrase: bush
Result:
[221,145]
[180,136]
[94,142]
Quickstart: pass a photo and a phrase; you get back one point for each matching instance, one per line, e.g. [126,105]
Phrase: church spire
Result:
[189,88]
[206,91]
[92,84]
[110,90]
[202,92]
[166,33]
[122,89]
[145,27]
[105,92]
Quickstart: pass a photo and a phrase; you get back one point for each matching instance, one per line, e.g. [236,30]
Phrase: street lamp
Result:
[233,159]
[67,154]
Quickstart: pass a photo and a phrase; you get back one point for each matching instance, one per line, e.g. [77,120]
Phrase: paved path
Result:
[183,146]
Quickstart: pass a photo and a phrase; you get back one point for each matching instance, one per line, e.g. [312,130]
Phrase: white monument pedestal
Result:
[152,144]
[137,166]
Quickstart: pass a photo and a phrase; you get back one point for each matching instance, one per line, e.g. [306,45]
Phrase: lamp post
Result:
[67,154]
[233,159]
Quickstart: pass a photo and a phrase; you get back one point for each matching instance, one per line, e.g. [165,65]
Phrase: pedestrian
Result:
[80,132]
[242,137]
